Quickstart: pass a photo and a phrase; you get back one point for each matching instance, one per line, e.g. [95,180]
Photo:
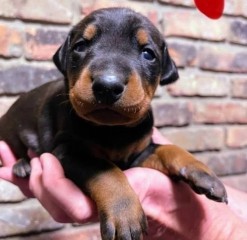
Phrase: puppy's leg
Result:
[120,213]
[180,164]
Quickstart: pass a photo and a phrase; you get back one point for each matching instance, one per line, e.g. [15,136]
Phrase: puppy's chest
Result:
[118,144]
[121,156]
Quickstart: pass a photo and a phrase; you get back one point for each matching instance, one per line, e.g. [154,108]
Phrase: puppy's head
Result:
[113,61]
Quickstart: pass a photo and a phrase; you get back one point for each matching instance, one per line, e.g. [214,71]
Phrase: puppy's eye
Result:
[80,46]
[148,54]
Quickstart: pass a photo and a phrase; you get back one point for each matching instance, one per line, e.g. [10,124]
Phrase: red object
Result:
[211,8]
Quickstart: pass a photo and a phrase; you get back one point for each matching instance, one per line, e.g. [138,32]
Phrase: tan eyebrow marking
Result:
[90,32]
[142,36]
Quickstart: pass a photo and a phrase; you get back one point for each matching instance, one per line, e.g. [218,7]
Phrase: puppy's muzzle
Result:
[108,88]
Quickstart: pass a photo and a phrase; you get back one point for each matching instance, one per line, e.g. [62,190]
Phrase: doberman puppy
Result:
[98,120]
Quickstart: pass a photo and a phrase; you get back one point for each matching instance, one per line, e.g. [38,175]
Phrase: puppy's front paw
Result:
[204,183]
[22,168]
[125,220]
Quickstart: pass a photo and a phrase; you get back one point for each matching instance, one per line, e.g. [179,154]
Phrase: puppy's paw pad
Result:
[22,168]
[205,183]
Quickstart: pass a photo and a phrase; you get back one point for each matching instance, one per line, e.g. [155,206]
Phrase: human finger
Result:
[6,155]
[8,160]
[64,192]
[39,191]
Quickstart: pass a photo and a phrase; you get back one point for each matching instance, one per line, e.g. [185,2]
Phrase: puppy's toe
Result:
[128,223]
[22,168]
[204,183]
[124,229]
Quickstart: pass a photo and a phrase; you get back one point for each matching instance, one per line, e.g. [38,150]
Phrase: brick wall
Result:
[204,112]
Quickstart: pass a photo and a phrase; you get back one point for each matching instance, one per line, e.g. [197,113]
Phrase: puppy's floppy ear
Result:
[61,55]
[169,69]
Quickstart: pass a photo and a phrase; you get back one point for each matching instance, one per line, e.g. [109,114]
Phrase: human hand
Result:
[47,173]
[173,210]
[7,160]
[48,184]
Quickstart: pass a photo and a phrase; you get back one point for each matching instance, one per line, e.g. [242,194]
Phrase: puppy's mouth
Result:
[103,114]
[107,117]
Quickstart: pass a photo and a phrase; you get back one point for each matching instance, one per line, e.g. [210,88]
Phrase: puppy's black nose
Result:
[107,89]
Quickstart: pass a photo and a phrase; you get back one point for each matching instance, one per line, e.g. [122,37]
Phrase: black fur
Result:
[45,120]
[48,112]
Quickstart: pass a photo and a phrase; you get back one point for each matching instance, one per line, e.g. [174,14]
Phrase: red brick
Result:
[24,78]
[194,84]
[196,138]
[189,24]
[178,2]
[25,217]
[88,6]
[167,113]
[10,42]
[48,11]
[5,103]
[237,8]
[9,8]
[228,163]
[87,232]
[147,9]
[236,136]
[220,112]
[238,32]
[182,54]
[41,44]
[224,59]
[239,87]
